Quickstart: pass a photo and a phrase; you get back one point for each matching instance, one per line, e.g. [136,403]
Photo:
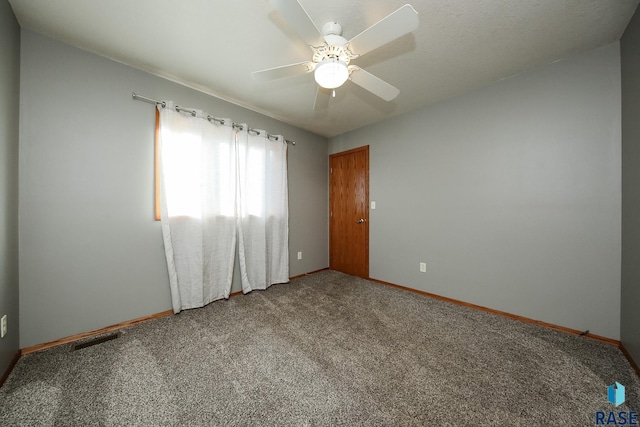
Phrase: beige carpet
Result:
[327,349]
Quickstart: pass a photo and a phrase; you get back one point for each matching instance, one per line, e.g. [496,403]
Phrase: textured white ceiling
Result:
[214,45]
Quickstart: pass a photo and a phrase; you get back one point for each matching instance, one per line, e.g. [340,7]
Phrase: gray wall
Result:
[9,99]
[510,194]
[630,313]
[91,253]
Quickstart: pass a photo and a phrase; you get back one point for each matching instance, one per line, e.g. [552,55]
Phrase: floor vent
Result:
[96,341]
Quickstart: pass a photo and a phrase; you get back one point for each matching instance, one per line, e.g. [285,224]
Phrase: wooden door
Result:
[349,212]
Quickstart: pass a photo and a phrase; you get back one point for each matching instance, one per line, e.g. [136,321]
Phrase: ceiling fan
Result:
[332,54]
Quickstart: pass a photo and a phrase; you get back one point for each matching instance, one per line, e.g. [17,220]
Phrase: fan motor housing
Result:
[335,47]
[328,51]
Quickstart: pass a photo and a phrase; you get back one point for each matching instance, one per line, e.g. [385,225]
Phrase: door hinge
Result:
[330,170]
[331,213]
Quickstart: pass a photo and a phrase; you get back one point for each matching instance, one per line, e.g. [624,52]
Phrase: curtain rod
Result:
[209,117]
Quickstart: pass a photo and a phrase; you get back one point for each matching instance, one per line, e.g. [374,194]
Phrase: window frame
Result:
[157,209]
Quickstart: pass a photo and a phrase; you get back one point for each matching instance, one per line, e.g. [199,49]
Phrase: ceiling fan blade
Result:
[373,84]
[298,18]
[397,24]
[283,71]
[322,99]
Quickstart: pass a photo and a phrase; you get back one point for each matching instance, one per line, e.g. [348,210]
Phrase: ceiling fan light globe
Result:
[331,73]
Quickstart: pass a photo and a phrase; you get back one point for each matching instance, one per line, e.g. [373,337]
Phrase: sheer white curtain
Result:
[198,203]
[263,209]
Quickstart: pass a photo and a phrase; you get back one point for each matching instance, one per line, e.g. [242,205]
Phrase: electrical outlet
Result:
[3,326]
[300,255]
[423,267]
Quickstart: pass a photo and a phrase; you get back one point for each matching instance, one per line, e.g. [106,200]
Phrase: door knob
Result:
[361,220]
